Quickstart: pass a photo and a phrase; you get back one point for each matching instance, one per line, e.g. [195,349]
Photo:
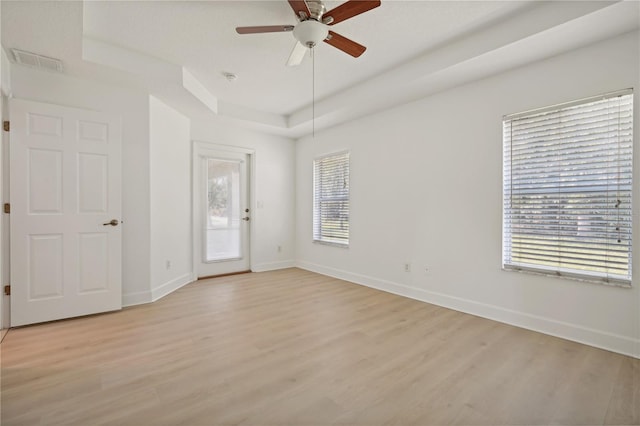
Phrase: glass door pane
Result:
[223,210]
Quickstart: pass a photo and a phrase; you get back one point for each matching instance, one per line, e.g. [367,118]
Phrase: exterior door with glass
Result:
[222,221]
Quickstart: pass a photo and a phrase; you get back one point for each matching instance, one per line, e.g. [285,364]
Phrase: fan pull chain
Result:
[618,176]
[313,93]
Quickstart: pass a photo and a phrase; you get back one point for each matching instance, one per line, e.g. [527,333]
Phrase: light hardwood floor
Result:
[292,347]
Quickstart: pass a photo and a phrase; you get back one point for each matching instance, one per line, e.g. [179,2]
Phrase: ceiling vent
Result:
[37,61]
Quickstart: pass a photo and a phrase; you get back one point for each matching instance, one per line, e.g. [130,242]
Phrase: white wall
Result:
[133,107]
[157,181]
[273,211]
[170,199]
[426,189]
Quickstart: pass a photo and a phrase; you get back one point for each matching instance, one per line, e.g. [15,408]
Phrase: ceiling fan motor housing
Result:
[313,26]
[310,32]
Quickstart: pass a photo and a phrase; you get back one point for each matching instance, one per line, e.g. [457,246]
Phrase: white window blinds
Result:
[331,199]
[567,187]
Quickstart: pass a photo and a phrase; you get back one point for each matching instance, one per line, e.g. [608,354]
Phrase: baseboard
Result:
[142,297]
[171,286]
[597,338]
[137,298]
[272,266]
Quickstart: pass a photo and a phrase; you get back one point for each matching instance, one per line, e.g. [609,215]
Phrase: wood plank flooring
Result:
[292,347]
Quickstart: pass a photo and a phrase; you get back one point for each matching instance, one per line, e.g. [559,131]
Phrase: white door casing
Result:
[65,185]
[234,263]
[2,197]
[6,255]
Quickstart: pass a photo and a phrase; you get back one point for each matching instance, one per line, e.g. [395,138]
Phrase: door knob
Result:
[114,222]
[246,218]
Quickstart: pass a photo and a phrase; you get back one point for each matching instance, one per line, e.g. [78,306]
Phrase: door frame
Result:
[5,223]
[5,308]
[197,147]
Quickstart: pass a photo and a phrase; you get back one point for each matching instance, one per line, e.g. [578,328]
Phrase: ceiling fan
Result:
[314,26]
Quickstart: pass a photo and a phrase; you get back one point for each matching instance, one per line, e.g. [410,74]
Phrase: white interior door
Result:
[65,212]
[223,216]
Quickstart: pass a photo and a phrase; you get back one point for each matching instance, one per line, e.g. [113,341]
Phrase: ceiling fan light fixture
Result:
[313,26]
[310,32]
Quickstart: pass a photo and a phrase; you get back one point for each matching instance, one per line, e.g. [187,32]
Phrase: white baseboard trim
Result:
[588,336]
[171,286]
[272,266]
[142,297]
[137,298]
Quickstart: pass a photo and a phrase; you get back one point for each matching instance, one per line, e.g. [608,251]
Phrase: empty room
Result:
[307,212]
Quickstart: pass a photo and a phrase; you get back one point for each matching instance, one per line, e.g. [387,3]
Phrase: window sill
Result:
[329,243]
[611,282]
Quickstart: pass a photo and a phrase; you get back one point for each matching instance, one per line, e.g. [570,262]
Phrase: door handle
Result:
[114,222]
[246,218]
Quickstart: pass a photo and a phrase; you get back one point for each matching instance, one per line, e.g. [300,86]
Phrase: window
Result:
[331,199]
[567,189]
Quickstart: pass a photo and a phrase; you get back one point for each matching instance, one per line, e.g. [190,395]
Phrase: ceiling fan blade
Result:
[349,9]
[297,54]
[347,46]
[264,29]
[299,6]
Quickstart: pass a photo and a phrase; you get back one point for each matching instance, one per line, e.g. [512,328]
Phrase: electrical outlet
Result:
[407,267]
[279,249]
[168,264]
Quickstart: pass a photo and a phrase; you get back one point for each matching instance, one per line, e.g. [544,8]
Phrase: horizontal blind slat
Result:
[567,188]
[331,198]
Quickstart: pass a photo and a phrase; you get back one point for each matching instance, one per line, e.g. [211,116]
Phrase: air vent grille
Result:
[37,61]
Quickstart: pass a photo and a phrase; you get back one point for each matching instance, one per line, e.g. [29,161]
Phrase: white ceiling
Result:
[414,48]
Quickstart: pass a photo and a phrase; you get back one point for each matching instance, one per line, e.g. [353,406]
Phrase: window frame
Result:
[318,236]
[507,212]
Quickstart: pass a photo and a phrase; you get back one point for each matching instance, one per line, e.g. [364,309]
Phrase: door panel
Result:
[93,262]
[92,183]
[44,181]
[222,218]
[64,186]
[44,263]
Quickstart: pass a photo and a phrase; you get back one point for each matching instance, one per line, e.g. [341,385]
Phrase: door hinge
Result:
[6,125]
[7,290]
[7,208]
